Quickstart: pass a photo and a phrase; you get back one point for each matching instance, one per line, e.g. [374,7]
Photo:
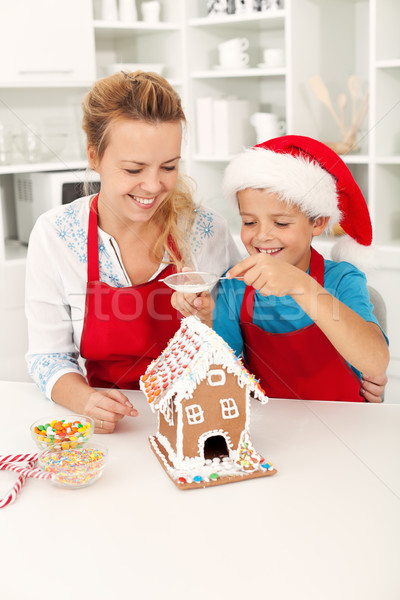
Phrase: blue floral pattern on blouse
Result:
[42,367]
[69,230]
[203,228]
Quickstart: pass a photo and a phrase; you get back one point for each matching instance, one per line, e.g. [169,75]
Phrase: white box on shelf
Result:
[204,125]
[232,129]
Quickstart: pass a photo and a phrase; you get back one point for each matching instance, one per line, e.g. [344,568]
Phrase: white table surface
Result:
[326,526]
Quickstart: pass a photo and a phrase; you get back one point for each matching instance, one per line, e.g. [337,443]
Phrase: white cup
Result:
[151,11]
[273,57]
[267,126]
[230,60]
[234,45]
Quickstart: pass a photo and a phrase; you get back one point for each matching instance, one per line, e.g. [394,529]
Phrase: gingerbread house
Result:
[202,392]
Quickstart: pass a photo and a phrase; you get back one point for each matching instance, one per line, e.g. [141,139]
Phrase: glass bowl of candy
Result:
[74,468]
[62,433]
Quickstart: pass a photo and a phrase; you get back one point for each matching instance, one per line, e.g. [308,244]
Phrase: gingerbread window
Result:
[216,377]
[194,414]
[229,408]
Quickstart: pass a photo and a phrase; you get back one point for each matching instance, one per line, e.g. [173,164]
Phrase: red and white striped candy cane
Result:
[7,458]
[7,463]
[13,492]
[25,471]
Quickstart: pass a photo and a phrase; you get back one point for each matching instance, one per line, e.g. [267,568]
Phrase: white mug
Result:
[234,45]
[267,126]
[233,60]
[151,11]
[273,57]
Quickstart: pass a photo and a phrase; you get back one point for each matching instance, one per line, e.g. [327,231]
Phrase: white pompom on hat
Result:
[308,174]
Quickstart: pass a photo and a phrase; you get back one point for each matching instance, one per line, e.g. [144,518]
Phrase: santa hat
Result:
[308,174]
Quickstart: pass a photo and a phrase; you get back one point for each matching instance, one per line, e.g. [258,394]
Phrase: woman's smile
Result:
[144,202]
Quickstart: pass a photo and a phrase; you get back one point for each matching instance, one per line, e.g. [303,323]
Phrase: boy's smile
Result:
[271,226]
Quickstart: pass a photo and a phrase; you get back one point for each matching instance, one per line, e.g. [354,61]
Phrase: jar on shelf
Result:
[128,10]
[109,10]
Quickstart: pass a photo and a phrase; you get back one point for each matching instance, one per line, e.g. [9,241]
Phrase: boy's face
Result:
[271,226]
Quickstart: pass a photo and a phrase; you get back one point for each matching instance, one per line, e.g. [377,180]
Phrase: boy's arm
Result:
[361,343]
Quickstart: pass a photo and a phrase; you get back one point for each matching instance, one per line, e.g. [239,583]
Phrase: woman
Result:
[95,266]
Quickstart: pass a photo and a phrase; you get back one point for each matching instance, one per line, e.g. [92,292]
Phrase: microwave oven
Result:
[35,193]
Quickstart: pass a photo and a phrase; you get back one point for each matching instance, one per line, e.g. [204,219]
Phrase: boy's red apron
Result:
[300,364]
[124,328]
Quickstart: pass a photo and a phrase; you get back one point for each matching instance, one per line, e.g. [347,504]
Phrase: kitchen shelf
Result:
[388,160]
[212,158]
[111,28]
[229,73]
[355,159]
[64,165]
[46,84]
[264,20]
[388,64]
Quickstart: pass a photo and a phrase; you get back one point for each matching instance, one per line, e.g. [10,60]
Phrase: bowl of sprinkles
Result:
[76,467]
[62,433]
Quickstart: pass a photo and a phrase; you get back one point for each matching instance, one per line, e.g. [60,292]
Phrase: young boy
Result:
[303,324]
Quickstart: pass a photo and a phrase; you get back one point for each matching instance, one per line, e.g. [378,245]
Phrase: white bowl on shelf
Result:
[36,147]
[131,67]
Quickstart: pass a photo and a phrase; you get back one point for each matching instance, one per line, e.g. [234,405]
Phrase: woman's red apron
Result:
[124,328]
[300,364]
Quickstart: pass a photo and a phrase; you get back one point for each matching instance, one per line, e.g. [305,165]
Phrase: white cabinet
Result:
[33,51]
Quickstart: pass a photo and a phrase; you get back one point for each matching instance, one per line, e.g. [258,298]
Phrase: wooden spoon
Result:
[321,91]
[342,103]
[354,85]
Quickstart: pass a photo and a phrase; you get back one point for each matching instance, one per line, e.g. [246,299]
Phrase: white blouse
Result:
[57,274]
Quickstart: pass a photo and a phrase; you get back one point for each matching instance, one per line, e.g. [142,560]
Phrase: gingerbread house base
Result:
[210,474]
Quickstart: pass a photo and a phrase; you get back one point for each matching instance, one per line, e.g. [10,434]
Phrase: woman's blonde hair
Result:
[145,97]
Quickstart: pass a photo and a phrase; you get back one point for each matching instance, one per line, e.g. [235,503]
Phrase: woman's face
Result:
[139,168]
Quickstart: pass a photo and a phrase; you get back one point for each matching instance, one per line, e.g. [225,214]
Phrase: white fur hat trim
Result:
[297,180]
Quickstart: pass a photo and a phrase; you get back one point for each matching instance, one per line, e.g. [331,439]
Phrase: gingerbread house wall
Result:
[167,430]
[208,397]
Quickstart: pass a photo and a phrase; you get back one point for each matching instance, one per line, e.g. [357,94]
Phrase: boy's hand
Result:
[269,275]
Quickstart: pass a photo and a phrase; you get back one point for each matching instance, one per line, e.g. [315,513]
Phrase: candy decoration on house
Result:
[202,393]
[349,142]
[247,459]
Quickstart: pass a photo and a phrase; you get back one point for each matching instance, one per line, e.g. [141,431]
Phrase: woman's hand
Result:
[199,305]
[107,408]
[372,388]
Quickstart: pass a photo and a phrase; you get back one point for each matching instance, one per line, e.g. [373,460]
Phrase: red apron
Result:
[299,364]
[124,328]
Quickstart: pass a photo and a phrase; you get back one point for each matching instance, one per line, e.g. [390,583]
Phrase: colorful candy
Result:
[62,433]
[77,467]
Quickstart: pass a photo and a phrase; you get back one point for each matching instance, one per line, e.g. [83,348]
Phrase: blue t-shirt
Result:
[282,314]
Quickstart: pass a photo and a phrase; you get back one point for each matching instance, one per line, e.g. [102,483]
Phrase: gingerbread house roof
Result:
[185,362]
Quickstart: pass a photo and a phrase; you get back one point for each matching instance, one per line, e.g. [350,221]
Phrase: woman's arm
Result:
[52,356]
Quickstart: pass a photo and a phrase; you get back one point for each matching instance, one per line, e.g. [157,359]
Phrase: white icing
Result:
[191,468]
[216,377]
[229,408]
